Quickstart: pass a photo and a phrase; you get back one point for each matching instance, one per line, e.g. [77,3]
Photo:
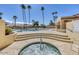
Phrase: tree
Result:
[1,15]
[35,24]
[51,22]
[54,15]
[24,14]
[29,8]
[14,17]
[42,9]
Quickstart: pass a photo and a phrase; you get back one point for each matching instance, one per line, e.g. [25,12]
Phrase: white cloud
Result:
[8,21]
[17,22]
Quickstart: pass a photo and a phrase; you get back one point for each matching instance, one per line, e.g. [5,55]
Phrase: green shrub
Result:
[8,31]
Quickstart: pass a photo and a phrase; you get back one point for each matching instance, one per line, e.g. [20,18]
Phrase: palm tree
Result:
[54,15]
[37,24]
[24,14]
[14,17]
[29,7]
[51,22]
[1,15]
[42,9]
[33,23]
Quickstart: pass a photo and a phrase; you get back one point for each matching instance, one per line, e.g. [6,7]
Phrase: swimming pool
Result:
[24,30]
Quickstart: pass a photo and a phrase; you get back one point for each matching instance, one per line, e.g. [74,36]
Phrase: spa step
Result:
[50,35]
[44,34]
[53,38]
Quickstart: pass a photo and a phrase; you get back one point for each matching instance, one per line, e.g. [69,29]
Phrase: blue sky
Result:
[10,10]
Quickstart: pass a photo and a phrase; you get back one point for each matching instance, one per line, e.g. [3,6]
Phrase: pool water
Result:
[24,30]
[34,49]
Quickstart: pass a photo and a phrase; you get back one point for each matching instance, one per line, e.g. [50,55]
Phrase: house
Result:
[61,24]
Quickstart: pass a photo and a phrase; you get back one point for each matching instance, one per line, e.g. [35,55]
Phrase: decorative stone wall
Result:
[74,35]
[5,40]
[2,29]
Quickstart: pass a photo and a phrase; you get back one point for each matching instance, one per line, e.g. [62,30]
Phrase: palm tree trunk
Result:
[24,18]
[25,21]
[15,24]
[29,15]
[43,16]
[53,19]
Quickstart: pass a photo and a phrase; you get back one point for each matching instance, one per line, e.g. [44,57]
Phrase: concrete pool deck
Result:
[64,47]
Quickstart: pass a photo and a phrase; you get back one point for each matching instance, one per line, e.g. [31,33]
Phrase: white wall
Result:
[76,26]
